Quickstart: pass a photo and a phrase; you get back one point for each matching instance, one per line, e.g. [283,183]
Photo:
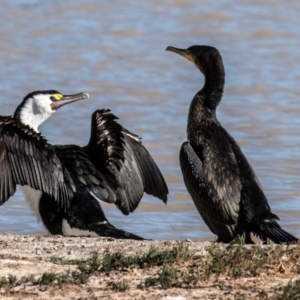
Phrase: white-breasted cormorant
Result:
[113,167]
[26,158]
[216,173]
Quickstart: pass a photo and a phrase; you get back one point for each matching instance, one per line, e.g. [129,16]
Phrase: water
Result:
[116,52]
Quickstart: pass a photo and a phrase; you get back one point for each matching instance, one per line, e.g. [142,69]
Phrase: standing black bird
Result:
[216,173]
[113,167]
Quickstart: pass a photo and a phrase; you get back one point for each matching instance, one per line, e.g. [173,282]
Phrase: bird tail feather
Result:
[108,230]
[275,233]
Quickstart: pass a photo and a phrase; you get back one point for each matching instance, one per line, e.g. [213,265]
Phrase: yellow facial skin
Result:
[183,52]
[57,96]
[188,56]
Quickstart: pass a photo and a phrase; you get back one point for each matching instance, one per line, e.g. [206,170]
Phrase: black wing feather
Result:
[154,183]
[106,140]
[7,183]
[76,160]
[118,153]
[26,158]
[211,207]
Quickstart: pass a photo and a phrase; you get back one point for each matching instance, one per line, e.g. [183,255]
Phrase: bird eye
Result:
[52,98]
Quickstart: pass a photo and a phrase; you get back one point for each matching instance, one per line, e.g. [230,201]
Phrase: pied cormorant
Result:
[216,173]
[114,167]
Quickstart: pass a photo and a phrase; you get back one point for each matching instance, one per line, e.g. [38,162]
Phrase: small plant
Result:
[121,286]
[151,281]
[140,286]
[48,278]
[8,283]
[168,277]
[65,261]
[118,260]
[239,296]
[235,260]
[289,292]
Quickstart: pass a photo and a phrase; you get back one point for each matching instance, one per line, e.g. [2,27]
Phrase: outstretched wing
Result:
[118,153]
[154,183]
[26,158]
[83,172]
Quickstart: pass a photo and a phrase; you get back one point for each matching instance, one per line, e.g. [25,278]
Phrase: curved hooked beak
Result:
[183,52]
[66,99]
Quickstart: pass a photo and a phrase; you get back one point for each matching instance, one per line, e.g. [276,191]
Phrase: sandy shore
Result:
[26,259]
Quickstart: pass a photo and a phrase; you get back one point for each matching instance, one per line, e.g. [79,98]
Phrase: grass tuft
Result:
[121,286]
[179,267]
[235,260]
[117,261]
[289,292]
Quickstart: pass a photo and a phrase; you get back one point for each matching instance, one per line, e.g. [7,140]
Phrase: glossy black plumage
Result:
[217,175]
[63,183]
[84,214]
[119,153]
[115,167]
[26,158]
[83,172]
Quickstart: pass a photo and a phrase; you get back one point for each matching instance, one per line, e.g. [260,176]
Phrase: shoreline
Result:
[41,267]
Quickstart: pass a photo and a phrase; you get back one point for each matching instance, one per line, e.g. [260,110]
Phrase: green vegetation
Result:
[178,267]
[117,261]
[121,286]
[167,278]
[236,260]
[289,292]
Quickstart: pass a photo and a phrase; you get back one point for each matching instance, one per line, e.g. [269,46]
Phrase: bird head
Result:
[38,106]
[204,57]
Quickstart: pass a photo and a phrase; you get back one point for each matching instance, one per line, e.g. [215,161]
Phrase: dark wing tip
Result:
[153,180]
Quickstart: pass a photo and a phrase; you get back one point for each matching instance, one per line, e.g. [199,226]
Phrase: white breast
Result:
[33,197]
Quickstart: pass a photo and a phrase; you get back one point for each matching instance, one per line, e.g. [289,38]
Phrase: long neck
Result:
[203,106]
[29,114]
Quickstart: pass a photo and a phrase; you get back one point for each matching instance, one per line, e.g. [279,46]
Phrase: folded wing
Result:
[218,205]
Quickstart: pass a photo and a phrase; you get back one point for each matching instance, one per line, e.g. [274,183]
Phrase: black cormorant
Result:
[114,167]
[216,173]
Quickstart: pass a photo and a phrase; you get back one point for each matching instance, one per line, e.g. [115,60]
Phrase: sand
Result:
[23,255]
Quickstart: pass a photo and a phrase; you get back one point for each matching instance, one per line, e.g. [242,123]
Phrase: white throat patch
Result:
[36,110]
